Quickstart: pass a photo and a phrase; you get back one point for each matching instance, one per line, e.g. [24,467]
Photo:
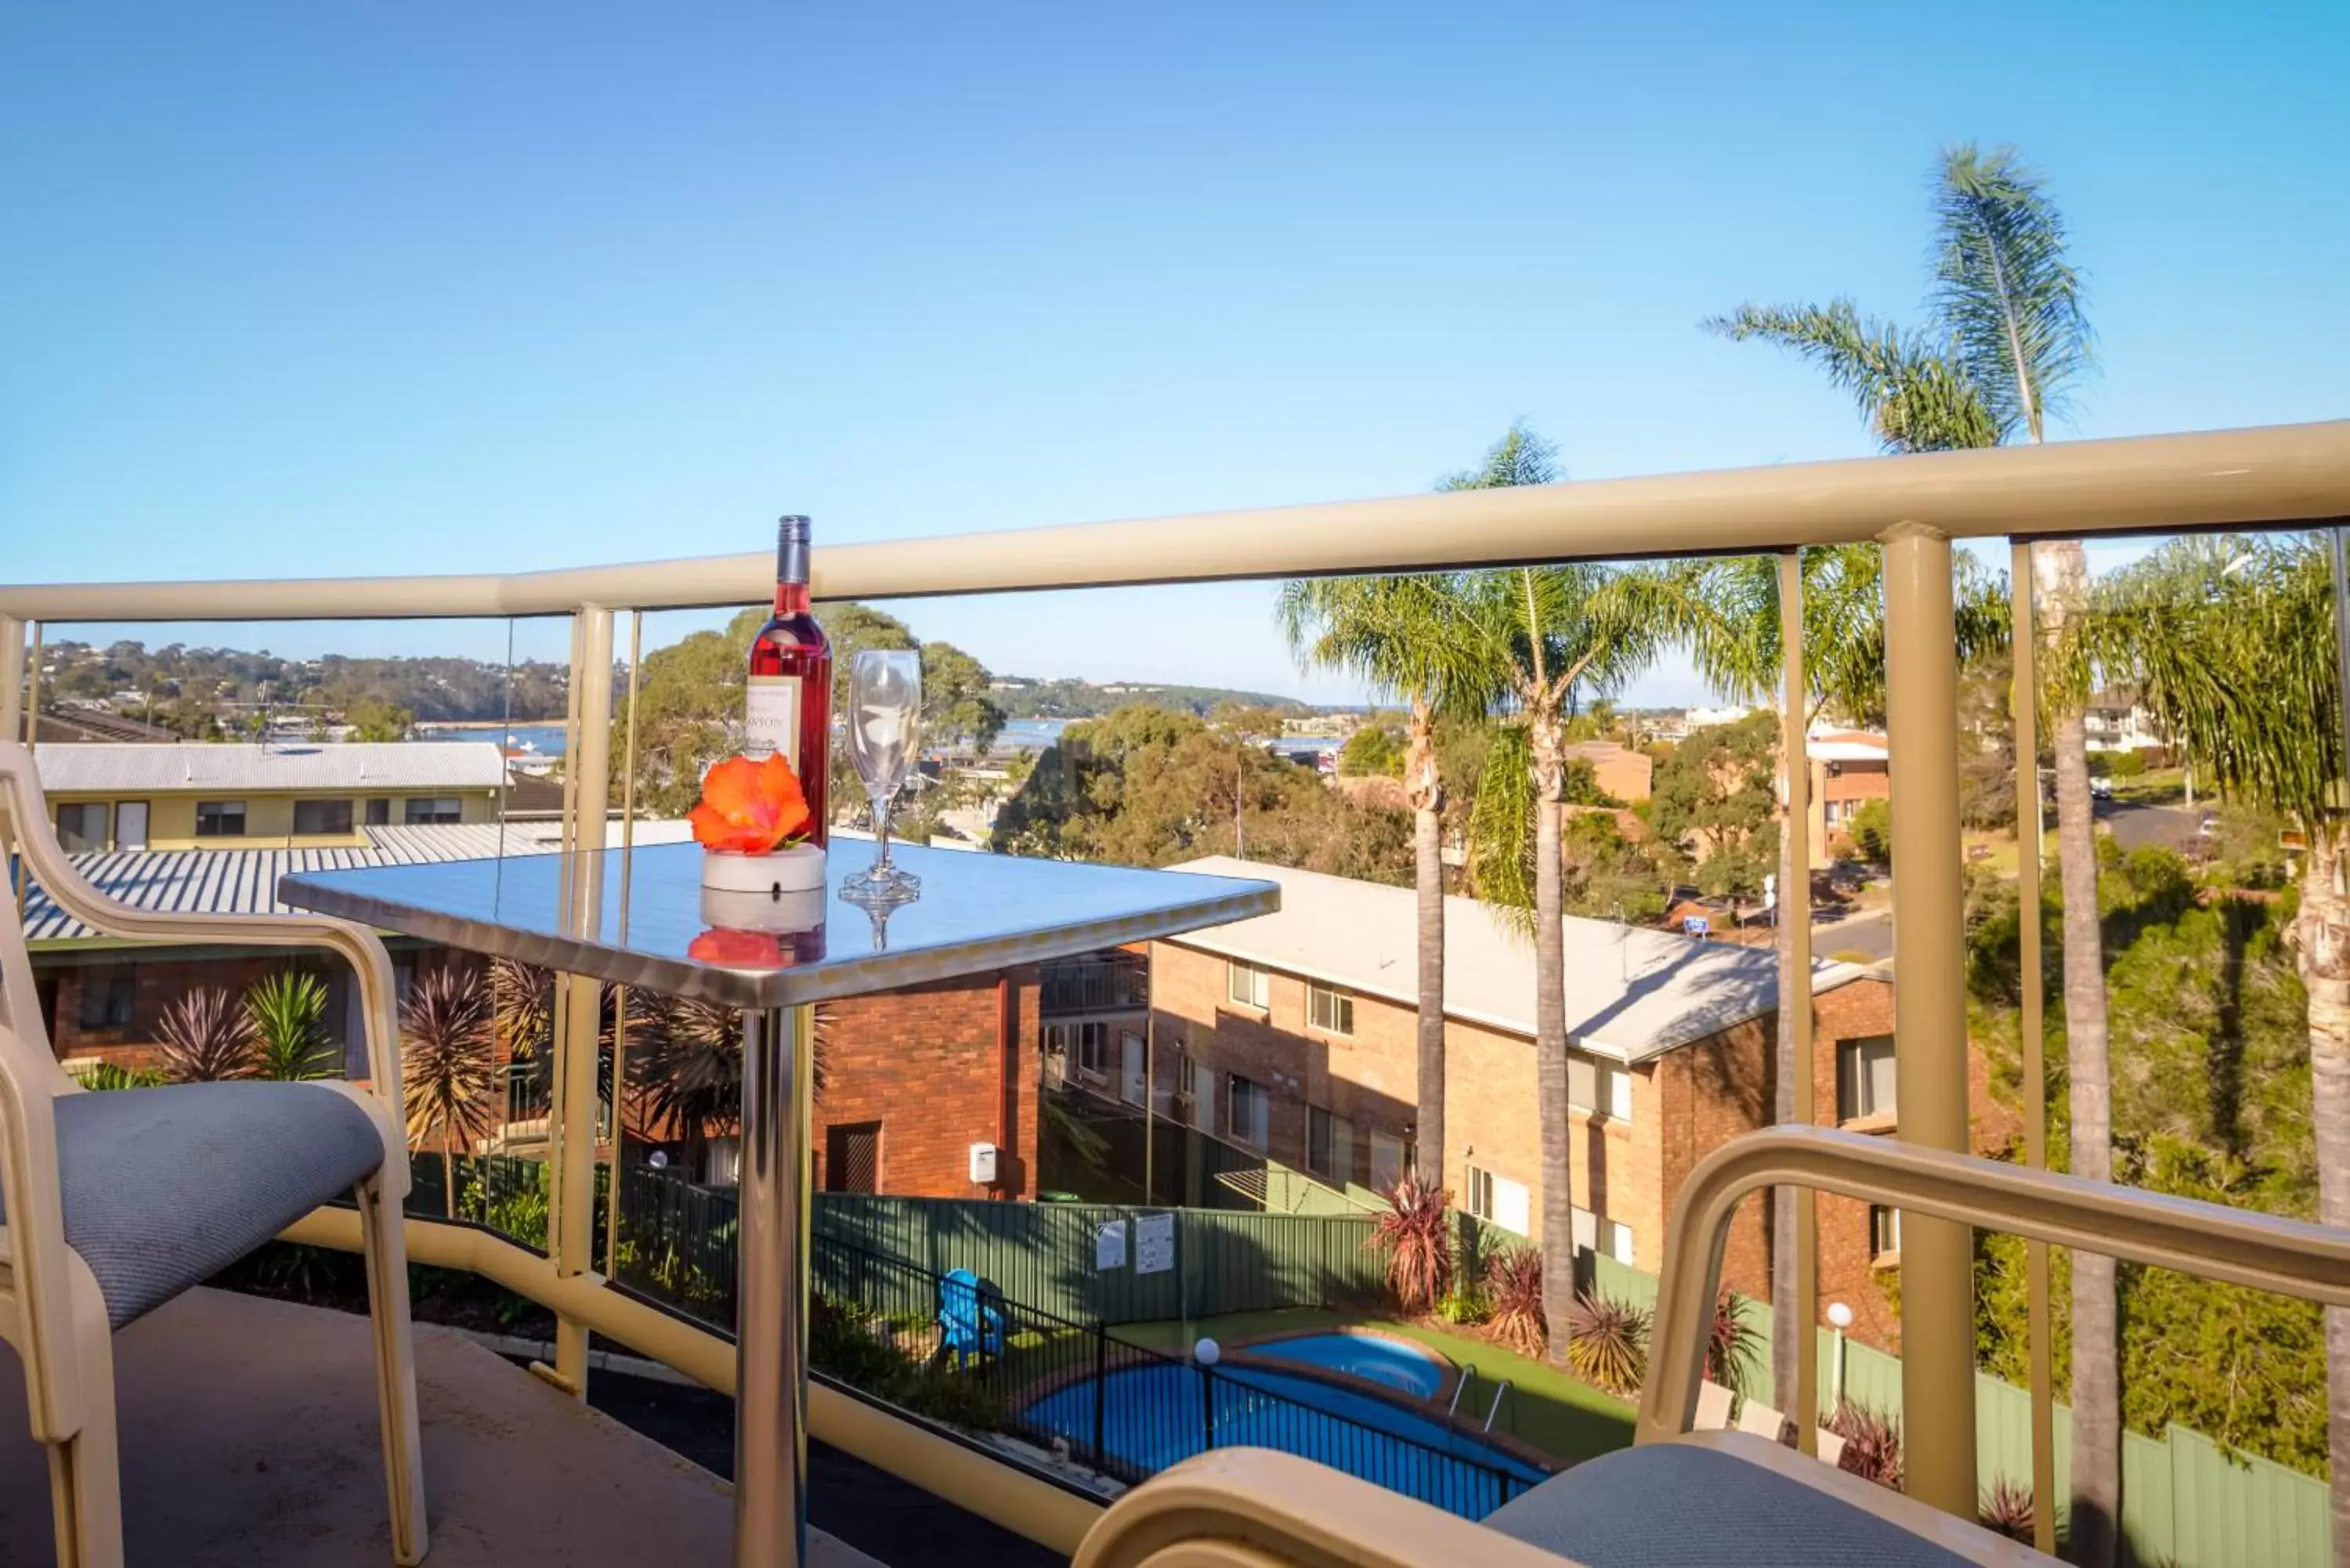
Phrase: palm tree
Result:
[1396,634]
[2233,642]
[1549,636]
[2009,339]
[445,1079]
[687,1069]
[2011,301]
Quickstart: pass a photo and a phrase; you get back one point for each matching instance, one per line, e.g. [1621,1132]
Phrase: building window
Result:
[1864,1077]
[1330,1144]
[1331,1011]
[1619,1243]
[322,816]
[82,826]
[110,994]
[220,819]
[1248,986]
[1200,1080]
[1498,1198]
[431,810]
[1132,1081]
[1093,1049]
[379,814]
[1884,1234]
[1390,1157]
[1250,1113]
[852,1156]
[1598,1088]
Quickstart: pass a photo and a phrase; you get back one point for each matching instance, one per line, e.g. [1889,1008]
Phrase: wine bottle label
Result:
[771,718]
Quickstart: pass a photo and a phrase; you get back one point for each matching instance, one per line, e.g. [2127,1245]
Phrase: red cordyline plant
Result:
[1513,1285]
[2007,1508]
[1416,1235]
[1872,1444]
[1733,1348]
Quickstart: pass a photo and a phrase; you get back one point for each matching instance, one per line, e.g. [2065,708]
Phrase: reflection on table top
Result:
[976,913]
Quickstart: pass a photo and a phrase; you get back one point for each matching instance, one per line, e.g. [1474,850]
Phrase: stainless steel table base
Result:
[771,1292]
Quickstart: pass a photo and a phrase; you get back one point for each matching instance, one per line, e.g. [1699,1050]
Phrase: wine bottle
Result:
[788,704]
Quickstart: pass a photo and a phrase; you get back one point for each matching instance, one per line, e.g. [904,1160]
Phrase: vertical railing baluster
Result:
[1795,979]
[2024,705]
[1937,1368]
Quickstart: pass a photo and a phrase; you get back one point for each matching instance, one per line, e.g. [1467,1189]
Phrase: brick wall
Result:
[927,1062]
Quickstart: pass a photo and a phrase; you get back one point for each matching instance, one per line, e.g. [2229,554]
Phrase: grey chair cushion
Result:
[1689,1507]
[165,1187]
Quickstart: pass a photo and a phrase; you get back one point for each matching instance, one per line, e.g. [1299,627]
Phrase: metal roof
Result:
[244,881]
[1632,994]
[98,768]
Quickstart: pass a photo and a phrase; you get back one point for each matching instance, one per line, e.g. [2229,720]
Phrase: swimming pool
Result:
[1156,1413]
[1392,1362]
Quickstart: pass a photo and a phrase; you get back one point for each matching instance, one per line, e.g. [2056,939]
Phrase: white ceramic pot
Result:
[774,910]
[798,869]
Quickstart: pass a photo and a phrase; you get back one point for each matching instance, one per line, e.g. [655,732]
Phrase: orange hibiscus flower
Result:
[750,807]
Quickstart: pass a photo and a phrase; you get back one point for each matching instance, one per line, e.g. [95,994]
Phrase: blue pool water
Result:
[1157,1413]
[1387,1361]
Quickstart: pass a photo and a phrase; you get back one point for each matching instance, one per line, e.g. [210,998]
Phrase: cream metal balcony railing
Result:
[1916,507]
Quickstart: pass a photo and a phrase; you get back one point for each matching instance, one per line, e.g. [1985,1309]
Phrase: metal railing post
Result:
[571,1140]
[2025,704]
[1938,1384]
[1795,980]
[1101,1392]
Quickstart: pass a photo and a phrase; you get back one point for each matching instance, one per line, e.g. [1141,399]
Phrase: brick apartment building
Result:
[912,1077]
[1850,769]
[1295,1034]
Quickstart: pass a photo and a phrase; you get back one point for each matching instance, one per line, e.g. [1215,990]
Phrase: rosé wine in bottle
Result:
[788,705]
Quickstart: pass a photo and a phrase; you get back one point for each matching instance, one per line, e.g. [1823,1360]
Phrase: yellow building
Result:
[302,795]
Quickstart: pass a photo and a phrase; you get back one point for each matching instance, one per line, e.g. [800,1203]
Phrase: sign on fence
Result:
[1109,1245]
[1154,1244]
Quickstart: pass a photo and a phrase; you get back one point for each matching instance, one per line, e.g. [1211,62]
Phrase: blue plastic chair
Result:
[968,1325]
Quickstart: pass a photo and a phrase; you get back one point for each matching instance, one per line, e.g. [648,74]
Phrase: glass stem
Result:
[881,835]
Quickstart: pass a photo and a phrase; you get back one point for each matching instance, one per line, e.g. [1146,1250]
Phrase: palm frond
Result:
[1917,394]
[2005,288]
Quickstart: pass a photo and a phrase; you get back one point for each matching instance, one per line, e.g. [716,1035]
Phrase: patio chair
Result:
[114,1202]
[967,1325]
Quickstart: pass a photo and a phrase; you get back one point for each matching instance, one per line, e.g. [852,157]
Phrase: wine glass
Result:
[884,716]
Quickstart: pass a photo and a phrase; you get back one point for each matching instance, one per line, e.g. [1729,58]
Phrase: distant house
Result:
[2115,721]
[194,795]
[1850,769]
[1295,1033]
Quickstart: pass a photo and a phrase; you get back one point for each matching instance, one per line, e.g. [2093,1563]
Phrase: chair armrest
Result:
[20,792]
[1242,1508]
[2288,1257]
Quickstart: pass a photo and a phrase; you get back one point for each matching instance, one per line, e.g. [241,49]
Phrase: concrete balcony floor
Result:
[249,1441]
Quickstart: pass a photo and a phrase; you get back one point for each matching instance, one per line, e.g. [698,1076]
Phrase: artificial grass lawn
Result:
[1568,1419]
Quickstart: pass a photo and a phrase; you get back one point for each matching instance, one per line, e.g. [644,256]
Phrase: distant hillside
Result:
[1023,698]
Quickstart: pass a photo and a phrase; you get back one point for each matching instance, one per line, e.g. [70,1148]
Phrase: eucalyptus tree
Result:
[1549,637]
[1400,636]
[2232,641]
[2006,340]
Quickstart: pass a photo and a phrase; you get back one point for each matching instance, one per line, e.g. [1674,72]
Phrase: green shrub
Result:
[1872,832]
[1464,1304]
[2130,764]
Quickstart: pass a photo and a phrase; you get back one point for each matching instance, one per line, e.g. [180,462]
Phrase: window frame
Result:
[222,810]
[1326,1122]
[1854,1087]
[1258,997]
[1243,1128]
[432,810]
[78,839]
[1600,1070]
[118,987]
[378,813]
[1338,1002]
[331,803]
[1884,1225]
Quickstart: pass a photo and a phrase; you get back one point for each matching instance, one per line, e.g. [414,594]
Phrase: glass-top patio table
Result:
[770,955]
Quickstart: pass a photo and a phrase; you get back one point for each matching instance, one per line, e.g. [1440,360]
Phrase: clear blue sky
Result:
[337,289]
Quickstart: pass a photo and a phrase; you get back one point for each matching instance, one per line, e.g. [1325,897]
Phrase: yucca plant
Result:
[287,1015]
[1415,1234]
[446,1077]
[206,1038]
[2007,1508]
[1514,1290]
[1733,1347]
[1608,1343]
[100,1075]
[1872,1444]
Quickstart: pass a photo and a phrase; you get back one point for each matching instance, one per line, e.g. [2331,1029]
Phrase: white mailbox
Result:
[983,1164]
